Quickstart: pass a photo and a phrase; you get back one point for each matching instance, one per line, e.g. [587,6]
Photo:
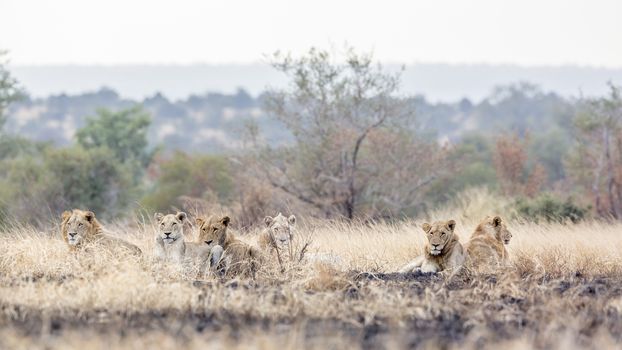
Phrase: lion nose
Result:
[282,240]
[167,234]
[73,233]
[435,245]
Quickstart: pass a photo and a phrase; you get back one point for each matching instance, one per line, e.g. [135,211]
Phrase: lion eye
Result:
[174,224]
[162,224]
[442,234]
[80,224]
[214,229]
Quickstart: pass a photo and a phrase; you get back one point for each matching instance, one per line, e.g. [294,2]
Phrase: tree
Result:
[351,133]
[510,159]
[123,132]
[597,161]
[9,89]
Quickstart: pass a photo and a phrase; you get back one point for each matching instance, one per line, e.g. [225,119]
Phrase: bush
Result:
[205,177]
[551,209]
[43,185]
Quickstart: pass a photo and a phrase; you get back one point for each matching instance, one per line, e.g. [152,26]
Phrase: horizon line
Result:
[262,63]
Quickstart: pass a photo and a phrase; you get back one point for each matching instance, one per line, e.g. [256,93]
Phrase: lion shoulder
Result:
[486,245]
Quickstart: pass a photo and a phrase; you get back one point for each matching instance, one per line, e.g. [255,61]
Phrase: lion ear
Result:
[181,216]
[89,216]
[292,220]
[158,217]
[451,224]
[268,220]
[66,215]
[225,220]
[496,221]
[426,227]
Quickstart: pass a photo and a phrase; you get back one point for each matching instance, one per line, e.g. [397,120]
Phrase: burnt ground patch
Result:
[478,311]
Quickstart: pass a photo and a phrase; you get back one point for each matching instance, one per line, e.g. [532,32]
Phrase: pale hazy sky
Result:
[526,32]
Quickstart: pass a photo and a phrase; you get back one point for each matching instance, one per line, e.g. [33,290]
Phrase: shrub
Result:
[205,177]
[45,184]
[551,209]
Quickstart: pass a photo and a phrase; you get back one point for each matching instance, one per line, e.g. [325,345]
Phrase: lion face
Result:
[77,226]
[213,230]
[438,234]
[501,231]
[171,226]
[281,228]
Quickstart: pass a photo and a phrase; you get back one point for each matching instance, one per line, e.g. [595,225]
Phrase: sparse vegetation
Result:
[563,289]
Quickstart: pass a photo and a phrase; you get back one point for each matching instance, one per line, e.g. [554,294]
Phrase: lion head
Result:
[78,226]
[281,228]
[497,225]
[213,230]
[171,226]
[439,234]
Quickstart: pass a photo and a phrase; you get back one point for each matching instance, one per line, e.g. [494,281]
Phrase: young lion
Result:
[276,242]
[80,228]
[443,251]
[238,257]
[170,244]
[277,237]
[486,246]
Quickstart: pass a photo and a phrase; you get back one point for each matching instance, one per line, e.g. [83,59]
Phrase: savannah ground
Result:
[564,291]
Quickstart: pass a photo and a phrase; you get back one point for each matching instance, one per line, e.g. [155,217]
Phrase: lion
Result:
[171,246]
[80,228]
[442,252]
[276,240]
[238,257]
[277,237]
[486,248]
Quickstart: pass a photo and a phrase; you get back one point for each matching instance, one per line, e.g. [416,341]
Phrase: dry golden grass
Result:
[564,291]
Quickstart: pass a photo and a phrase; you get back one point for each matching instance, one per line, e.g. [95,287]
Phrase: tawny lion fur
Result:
[238,257]
[486,248]
[443,250]
[171,246]
[80,228]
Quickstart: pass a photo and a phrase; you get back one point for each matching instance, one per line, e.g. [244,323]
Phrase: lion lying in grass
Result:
[276,238]
[442,252]
[486,248]
[80,228]
[170,244]
[238,257]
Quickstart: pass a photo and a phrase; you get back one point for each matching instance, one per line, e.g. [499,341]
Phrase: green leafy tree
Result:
[123,132]
[43,185]
[91,179]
